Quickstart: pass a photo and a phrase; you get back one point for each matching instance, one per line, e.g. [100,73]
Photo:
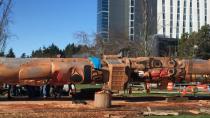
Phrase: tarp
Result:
[96,62]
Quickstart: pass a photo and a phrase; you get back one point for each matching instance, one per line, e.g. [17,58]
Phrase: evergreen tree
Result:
[52,51]
[196,44]
[37,53]
[69,50]
[23,55]
[46,52]
[11,54]
[2,54]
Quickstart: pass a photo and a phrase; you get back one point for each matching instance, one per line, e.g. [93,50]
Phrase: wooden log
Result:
[196,112]
[204,110]
[160,113]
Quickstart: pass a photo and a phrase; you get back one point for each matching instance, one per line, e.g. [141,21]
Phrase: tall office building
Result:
[123,19]
[175,17]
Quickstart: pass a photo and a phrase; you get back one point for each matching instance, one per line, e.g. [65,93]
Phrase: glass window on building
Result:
[132,16]
[131,37]
[163,2]
[132,2]
[132,9]
[164,16]
[132,24]
[131,30]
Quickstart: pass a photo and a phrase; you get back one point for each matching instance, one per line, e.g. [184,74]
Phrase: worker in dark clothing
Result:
[9,92]
[14,90]
[46,91]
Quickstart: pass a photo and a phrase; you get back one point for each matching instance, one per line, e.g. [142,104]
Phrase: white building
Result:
[175,17]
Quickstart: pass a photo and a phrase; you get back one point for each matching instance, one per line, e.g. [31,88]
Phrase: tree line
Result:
[51,51]
[193,45]
[10,54]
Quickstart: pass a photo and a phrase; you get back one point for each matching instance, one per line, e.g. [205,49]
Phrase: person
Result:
[46,91]
[14,90]
[57,91]
[9,92]
[72,89]
[209,88]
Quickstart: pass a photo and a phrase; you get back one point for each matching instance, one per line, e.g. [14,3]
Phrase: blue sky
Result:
[37,23]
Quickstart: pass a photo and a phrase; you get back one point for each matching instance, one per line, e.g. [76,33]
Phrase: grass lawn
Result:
[165,95]
[152,94]
[156,93]
[88,86]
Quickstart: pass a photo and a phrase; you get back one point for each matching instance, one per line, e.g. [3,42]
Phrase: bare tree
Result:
[84,38]
[5,9]
[87,41]
[117,44]
[99,45]
[147,24]
[145,4]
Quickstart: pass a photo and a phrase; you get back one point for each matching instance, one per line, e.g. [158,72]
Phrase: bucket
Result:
[102,99]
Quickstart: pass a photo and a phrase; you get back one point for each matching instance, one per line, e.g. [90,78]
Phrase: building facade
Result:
[161,46]
[123,19]
[103,18]
[175,17]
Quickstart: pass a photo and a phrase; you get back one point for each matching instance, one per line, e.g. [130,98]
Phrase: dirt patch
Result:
[63,109]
